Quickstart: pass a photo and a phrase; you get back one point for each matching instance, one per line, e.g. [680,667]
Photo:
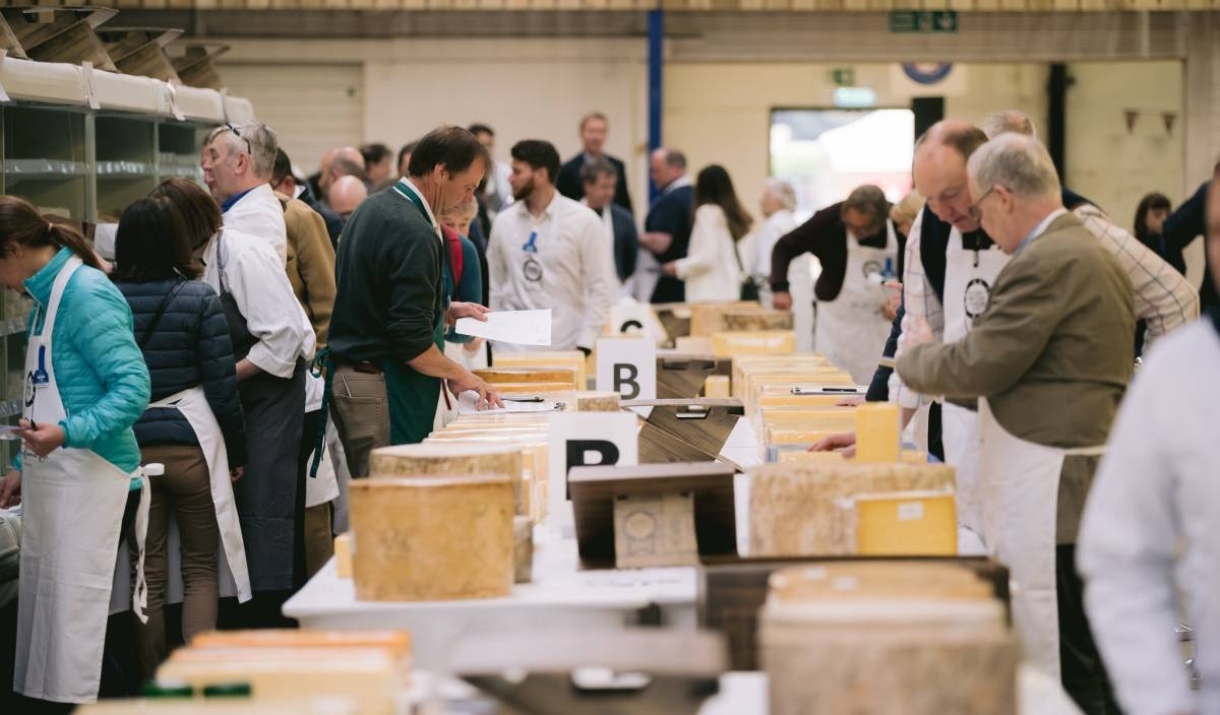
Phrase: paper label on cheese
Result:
[911,511]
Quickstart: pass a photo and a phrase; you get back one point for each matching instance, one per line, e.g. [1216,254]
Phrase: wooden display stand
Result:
[683,376]
[686,430]
[653,515]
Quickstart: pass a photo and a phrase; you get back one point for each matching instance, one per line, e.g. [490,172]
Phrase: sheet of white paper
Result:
[468,405]
[520,327]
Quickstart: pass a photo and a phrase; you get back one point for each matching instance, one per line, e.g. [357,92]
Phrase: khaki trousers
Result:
[361,412]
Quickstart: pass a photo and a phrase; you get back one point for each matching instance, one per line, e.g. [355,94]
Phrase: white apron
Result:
[851,330]
[72,503]
[1019,496]
[969,277]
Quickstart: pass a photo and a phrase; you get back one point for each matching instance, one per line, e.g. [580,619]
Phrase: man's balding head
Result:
[344,161]
[346,194]
[1009,121]
[666,166]
[940,170]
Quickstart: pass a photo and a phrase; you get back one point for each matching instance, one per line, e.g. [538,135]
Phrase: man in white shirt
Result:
[237,169]
[548,251]
[1148,532]
[238,162]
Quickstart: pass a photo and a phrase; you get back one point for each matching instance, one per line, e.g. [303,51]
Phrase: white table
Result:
[560,597]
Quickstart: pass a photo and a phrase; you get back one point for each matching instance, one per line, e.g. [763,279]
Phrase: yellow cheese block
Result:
[533,375]
[419,460]
[855,580]
[328,705]
[396,643]
[571,359]
[789,400]
[708,318]
[907,456]
[804,508]
[757,320]
[906,524]
[878,432]
[716,386]
[533,389]
[343,555]
[370,676]
[598,401]
[432,538]
[757,364]
[768,342]
[807,416]
[693,346]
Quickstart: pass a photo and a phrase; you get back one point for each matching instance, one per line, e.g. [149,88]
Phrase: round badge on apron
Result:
[532,270]
[851,330]
[969,276]
[977,298]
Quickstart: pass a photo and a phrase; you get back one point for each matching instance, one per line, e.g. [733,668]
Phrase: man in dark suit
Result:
[593,130]
[600,179]
[667,228]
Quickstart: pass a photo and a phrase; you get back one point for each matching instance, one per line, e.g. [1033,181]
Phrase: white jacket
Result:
[260,214]
[710,269]
[1150,530]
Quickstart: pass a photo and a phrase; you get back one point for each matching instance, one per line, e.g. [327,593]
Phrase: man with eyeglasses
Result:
[1048,359]
[238,161]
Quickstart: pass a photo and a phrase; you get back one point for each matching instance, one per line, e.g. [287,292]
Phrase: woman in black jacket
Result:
[181,329]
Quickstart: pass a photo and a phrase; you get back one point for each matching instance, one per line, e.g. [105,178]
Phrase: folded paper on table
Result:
[468,404]
[520,327]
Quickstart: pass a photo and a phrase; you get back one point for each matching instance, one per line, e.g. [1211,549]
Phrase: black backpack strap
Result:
[156,319]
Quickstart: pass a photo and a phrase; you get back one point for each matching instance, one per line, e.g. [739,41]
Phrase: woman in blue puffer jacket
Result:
[194,427]
[85,386]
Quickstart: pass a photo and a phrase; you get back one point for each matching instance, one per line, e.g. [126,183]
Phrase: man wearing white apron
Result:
[858,248]
[970,274]
[73,504]
[1048,359]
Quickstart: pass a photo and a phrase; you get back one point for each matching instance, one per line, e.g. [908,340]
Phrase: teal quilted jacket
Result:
[103,380]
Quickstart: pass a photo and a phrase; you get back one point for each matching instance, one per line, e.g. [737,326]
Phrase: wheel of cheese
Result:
[852,636]
[593,401]
[805,508]
[558,375]
[432,538]
[420,460]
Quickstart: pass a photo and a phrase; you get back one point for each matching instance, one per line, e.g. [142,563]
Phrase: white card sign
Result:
[587,439]
[627,366]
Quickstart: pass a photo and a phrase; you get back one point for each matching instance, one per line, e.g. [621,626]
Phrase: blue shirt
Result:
[228,203]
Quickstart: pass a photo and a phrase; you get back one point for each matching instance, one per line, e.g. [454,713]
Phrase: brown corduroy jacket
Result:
[311,263]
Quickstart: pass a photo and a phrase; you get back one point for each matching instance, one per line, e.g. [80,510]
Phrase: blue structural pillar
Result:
[656,64]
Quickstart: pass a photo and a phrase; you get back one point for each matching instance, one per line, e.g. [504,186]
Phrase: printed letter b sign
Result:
[585,439]
[627,366]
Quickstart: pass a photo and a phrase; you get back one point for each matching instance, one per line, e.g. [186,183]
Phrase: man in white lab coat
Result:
[548,251]
[1148,531]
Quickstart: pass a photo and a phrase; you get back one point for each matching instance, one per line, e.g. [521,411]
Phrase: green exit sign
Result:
[940,21]
[843,76]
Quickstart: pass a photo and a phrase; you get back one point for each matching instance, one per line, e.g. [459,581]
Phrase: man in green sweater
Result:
[387,329]
[1048,359]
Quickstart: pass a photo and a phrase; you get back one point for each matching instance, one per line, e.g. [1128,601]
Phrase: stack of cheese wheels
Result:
[573,360]
[529,379]
[442,537]
[918,638]
[760,342]
[805,508]
[707,319]
[452,458]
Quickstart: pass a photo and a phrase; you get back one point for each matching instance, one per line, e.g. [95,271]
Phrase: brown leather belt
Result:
[364,366]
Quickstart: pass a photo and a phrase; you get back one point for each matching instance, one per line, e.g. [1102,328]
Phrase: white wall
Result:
[539,88]
[524,89]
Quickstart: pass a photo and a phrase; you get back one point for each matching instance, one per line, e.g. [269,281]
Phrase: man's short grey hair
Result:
[783,193]
[1018,163]
[258,141]
[596,169]
[1009,121]
[870,201]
